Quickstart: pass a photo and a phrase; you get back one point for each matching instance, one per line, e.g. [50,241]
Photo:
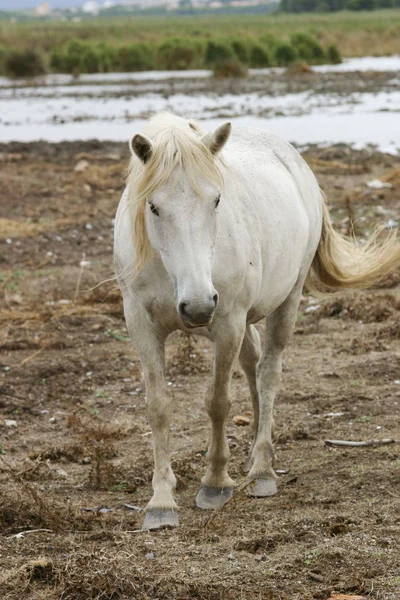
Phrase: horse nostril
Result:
[182,307]
[215,298]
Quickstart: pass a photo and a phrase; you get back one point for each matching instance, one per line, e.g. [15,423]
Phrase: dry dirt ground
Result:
[76,456]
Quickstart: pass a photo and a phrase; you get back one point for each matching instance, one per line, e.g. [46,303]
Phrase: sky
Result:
[18,4]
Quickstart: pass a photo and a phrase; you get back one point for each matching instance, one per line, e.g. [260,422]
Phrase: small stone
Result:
[61,473]
[315,576]
[241,420]
[10,423]
[81,166]
[150,555]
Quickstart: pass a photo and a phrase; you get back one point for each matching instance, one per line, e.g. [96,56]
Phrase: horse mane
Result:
[177,147]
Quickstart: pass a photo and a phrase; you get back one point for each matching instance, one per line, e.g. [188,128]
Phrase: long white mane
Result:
[178,147]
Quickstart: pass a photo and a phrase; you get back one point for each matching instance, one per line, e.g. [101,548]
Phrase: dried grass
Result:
[98,438]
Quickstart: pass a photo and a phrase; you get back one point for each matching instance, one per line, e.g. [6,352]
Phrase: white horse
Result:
[210,242]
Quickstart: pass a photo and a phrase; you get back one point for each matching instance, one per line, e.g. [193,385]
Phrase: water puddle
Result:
[113,105]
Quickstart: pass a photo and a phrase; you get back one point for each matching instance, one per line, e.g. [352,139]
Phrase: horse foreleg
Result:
[280,325]
[161,511]
[249,357]
[217,486]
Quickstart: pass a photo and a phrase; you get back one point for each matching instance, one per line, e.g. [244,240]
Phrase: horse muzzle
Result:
[196,314]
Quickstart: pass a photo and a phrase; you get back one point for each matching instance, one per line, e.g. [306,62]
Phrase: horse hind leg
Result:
[280,325]
[249,356]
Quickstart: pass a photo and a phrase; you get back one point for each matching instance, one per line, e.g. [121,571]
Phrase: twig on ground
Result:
[84,263]
[21,534]
[219,510]
[360,444]
[28,358]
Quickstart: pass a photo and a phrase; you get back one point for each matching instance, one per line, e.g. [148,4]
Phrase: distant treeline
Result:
[227,56]
[301,6]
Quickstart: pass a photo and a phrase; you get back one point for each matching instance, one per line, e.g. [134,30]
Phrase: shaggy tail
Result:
[341,264]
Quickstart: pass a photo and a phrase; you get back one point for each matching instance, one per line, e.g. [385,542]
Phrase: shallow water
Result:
[114,105]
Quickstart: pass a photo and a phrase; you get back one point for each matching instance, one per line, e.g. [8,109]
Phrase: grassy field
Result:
[356,34]
[142,43]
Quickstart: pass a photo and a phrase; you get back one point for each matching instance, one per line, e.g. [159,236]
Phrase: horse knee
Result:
[159,411]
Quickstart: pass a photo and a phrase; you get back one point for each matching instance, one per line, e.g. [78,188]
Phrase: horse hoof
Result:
[160,518]
[261,488]
[210,498]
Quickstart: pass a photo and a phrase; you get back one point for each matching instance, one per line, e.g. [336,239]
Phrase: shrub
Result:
[57,60]
[333,54]
[270,42]
[89,61]
[3,53]
[361,5]
[177,53]
[307,47]
[24,63]
[259,56]
[107,57]
[217,52]
[135,57]
[285,54]
[241,51]
[230,67]
[73,56]
[84,57]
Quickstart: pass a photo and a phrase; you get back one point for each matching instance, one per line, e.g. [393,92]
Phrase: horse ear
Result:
[217,139]
[142,147]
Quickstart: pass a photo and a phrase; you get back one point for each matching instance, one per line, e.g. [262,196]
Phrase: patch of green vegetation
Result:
[365,418]
[100,394]
[120,486]
[24,63]
[311,557]
[2,451]
[171,42]
[117,335]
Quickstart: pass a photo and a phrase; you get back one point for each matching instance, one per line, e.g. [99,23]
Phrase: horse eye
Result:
[217,201]
[153,209]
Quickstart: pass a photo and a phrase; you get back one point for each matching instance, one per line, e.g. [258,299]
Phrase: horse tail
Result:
[341,263]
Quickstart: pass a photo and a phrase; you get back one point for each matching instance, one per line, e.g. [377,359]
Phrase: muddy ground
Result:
[76,455]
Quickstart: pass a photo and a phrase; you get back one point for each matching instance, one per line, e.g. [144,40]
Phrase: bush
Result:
[241,51]
[177,53]
[218,52]
[307,47]
[135,57]
[57,60]
[72,56]
[259,57]
[333,54]
[270,42]
[83,57]
[229,67]
[107,57]
[361,5]
[24,63]
[285,54]
[3,54]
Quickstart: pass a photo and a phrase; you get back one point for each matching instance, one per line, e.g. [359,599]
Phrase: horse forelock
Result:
[177,148]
